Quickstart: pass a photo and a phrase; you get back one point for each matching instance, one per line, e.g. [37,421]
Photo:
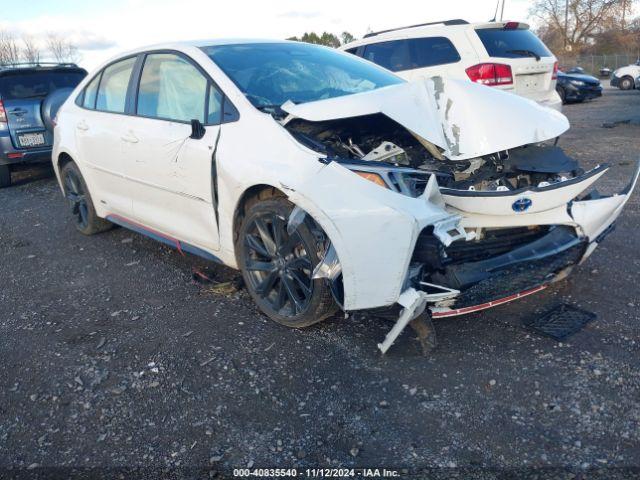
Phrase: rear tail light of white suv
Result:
[491,74]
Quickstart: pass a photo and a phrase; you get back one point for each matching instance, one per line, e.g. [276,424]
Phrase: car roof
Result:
[427,30]
[17,68]
[212,42]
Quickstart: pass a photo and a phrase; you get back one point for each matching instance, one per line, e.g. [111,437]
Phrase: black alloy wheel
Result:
[80,203]
[76,196]
[278,266]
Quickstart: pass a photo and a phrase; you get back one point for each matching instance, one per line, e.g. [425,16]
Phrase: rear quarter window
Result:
[511,43]
[90,93]
[412,53]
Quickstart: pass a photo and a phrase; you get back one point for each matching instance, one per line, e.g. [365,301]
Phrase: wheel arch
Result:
[247,198]
[260,192]
[59,162]
[63,159]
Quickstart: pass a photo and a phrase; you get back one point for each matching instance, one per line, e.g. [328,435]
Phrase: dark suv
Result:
[30,95]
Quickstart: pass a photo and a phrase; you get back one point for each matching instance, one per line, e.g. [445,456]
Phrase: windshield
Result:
[512,43]
[36,84]
[269,74]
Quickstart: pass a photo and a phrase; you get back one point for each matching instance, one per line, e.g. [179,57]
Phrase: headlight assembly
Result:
[407,181]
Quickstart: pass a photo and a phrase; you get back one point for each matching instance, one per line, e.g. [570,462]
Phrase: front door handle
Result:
[129,138]
[82,126]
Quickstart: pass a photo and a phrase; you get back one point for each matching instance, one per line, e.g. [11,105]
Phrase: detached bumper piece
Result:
[522,268]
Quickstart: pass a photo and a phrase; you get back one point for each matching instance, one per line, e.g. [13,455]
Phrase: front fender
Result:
[373,230]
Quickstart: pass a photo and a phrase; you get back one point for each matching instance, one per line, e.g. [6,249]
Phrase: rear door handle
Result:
[130,138]
[82,126]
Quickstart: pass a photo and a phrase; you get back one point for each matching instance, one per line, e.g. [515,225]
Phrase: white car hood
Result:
[465,119]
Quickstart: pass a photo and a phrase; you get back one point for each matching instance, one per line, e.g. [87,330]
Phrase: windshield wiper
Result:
[526,53]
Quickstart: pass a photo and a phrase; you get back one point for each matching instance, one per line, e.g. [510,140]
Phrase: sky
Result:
[103,28]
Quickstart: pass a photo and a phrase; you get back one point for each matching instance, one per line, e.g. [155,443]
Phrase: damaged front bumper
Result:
[455,253]
[508,266]
[528,254]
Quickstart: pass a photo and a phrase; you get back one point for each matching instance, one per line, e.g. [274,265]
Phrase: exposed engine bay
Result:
[377,140]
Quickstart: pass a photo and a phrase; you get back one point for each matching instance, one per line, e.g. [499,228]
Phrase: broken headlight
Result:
[406,181]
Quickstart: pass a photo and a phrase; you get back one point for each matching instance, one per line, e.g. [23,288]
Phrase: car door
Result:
[169,171]
[99,129]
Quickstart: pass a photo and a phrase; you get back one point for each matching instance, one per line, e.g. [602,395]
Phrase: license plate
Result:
[528,83]
[31,139]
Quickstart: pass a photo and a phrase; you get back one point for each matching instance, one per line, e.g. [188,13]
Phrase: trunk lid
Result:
[530,60]
[532,78]
[24,119]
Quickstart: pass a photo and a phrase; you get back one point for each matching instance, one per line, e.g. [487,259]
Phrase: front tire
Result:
[277,267]
[563,94]
[626,83]
[80,202]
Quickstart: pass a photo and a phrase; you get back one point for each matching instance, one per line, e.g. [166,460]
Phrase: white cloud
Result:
[107,31]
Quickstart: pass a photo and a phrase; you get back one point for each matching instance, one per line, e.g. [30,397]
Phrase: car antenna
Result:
[495,15]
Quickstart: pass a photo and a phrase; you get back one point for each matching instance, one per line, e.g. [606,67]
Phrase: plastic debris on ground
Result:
[560,322]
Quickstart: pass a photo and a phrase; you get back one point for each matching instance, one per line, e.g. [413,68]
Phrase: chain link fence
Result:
[593,63]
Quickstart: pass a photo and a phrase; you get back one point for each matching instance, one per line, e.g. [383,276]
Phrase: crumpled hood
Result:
[465,119]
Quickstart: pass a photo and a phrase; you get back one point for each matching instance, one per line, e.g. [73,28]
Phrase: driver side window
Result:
[171,88]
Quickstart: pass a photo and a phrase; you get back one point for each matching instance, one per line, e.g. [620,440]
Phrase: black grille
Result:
[519,277]
[495,242]
[430,251]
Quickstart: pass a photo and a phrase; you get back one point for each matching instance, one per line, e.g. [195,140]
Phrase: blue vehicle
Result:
[30,95]
[577,87]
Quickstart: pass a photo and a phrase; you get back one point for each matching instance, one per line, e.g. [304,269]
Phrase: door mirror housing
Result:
[197,129]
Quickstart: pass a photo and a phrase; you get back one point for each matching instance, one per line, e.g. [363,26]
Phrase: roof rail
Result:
[455,21]
[37,64]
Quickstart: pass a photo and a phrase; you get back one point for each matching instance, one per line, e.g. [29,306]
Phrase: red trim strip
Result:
[149,229]
[484,306]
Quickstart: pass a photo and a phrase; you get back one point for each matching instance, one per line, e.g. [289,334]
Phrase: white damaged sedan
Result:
[328,181]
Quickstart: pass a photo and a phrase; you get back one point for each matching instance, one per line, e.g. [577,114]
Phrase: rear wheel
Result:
[5,176]
[626,83]
[80,202]
[278,267]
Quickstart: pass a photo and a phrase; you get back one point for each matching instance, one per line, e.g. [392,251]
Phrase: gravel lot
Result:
[112,357]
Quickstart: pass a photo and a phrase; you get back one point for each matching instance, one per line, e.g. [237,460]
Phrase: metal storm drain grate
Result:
[561,322]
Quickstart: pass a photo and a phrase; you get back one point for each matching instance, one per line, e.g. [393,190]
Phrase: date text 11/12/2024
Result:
[316,472]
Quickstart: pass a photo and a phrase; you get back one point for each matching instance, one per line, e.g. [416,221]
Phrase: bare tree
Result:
[30,50]
[9,49]
[575,22]
[62,49]
[346,37]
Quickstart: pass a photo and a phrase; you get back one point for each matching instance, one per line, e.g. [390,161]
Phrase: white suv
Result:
[505,55]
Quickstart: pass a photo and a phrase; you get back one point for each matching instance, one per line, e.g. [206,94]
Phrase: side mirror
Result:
[197,129]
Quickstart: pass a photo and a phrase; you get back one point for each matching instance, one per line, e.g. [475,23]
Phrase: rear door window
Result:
[412,53]
[112,92]
[172,88]
[36,84]
[512,43]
